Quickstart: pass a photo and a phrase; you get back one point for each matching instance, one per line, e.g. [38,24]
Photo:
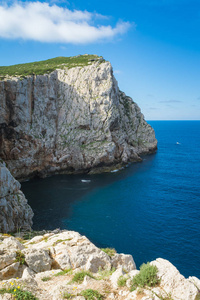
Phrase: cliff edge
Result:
[71,119]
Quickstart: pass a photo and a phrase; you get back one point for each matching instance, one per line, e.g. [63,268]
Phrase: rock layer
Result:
[15,213]
[71,120]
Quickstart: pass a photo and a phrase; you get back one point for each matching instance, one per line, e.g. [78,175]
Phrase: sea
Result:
[149,209]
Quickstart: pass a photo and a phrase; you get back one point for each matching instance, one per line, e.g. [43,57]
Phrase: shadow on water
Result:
[52,198]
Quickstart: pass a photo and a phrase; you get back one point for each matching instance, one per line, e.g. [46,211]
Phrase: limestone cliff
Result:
[71,120]
[15,213]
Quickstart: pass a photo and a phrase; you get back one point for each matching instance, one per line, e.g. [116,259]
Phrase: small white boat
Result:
[177,143]
[84,180]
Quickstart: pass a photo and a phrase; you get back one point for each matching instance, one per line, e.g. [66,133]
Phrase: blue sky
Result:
[153,45]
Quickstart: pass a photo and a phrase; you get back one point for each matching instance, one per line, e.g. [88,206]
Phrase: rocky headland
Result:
[71,119]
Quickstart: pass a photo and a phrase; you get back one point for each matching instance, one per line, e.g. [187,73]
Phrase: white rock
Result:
[7,258]
[11,243]
[173,282]
[115,276]
[37,260]
[124,260]
[10,271]
[27,273]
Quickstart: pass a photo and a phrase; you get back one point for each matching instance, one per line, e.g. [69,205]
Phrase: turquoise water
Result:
[150,209]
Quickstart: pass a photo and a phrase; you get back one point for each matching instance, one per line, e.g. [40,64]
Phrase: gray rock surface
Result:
[45,279]
[15,213]
[71,120]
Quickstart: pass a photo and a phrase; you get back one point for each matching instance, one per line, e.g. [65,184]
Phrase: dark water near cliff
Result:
[150,209]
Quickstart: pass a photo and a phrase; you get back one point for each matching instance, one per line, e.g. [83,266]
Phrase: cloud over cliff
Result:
[52,23]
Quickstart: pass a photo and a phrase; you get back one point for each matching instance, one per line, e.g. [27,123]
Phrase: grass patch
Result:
[20,257]
[18,293]
[105,273]
[122,281]
[48,66]
[60,241]
[67,295]
[146,277]
[79,276]
[61,273]
[46,278]
[110,251]
[90,294]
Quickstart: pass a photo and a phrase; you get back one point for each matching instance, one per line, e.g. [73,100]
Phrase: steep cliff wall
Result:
[15,213]
[73,119]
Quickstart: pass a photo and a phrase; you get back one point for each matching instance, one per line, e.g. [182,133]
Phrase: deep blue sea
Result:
[149,209]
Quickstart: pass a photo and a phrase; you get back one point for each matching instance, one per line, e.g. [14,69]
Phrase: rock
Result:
[115,276]
[95,262]
[175,283]
[15,213]
[89,256]
[71,120]
[11,243]
[124,260]
[38,260]
[10,271]
[27,273]
[6,297]
[7,258]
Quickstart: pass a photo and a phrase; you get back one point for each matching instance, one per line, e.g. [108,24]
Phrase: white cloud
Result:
[50,23]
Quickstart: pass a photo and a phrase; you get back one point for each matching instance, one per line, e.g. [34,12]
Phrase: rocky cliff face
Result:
[15,213]
[70,120]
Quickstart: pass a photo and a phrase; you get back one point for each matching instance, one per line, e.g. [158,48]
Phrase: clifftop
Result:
[48,66]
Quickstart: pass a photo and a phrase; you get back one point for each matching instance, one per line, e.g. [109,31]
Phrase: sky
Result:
[153,45]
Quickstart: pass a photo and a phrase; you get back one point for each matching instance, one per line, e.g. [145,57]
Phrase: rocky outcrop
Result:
[47,264]
[15,213]
[71,120]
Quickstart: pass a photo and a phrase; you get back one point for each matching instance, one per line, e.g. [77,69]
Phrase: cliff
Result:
[15,213]
[73,119]
[65,265]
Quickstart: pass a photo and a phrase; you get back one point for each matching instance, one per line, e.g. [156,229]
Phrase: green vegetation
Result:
[66,271]
[46,278]
[18,293]
[48,66]
[105,273]
[20,257]
[79,277]
[110,251]
[122,281]
[67,295]
[90,294]
[146,277]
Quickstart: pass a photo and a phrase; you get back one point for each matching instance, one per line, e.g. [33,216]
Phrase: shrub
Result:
[110,251]
[79,277]
[105,273]
[121,281]
[90,294]
[46,278]
[20,257]
[146,277]
[63,272]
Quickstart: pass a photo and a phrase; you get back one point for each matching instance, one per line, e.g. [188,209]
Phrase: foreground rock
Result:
[46,265]
[72,120]
[15,213]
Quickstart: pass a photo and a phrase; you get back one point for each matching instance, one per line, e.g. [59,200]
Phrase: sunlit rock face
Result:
[71,120]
